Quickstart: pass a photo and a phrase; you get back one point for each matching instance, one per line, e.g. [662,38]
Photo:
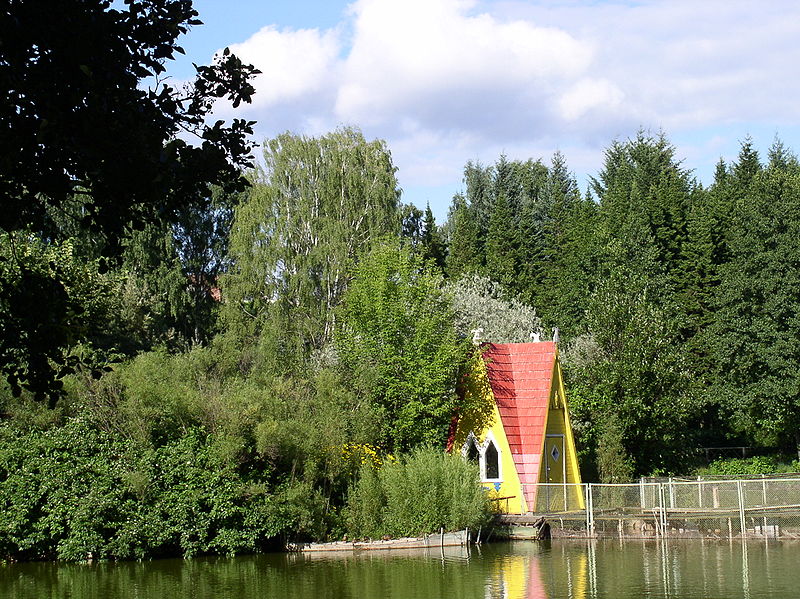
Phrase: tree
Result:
[464,250]
[80,301]
[80,123]
[481,303]
[569,254]
[756,329]
[78,118]
[396,336]
[635,389]
[318,205]
[502,243]
[432,245]
[202,239]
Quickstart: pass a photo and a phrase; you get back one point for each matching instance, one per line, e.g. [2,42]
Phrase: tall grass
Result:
[417,494]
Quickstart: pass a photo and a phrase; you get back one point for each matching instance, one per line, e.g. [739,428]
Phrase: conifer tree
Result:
[746,167]
[501,244]
[756,331]
[464,252]
[432,245]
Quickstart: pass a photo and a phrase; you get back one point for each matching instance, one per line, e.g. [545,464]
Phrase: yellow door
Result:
[555,473]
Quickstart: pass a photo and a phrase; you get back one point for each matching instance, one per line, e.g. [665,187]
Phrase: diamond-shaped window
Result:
[555,453]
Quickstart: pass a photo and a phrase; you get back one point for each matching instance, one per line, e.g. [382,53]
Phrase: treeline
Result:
[676,303]
[236,368]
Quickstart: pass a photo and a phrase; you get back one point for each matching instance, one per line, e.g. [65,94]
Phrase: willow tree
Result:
[314,207]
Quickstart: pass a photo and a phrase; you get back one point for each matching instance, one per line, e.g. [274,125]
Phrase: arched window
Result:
[492,461]
[473,454]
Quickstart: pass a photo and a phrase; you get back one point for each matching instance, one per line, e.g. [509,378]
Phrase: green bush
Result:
[754,465]
[74,493]
[417,494]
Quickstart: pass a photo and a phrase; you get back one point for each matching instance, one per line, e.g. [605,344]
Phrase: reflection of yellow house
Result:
[536,576]
[515,423]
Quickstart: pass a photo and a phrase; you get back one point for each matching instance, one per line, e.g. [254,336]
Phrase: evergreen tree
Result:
[502,244]
[530,219]
[746,167]
[479,185]
[780,157]
[432,245]
[464,251]
[756,331]
[638,373]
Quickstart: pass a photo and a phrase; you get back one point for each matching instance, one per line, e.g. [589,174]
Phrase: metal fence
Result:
[762,507]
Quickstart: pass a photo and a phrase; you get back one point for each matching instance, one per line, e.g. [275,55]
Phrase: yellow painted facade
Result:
[559,439]
[481,420]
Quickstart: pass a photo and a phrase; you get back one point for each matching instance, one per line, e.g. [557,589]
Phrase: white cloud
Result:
[587,95]
[448,69]
[445,81]
[293,64]
[300,73]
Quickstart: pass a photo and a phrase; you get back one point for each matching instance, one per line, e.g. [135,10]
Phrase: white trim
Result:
[483,447]
[472,439]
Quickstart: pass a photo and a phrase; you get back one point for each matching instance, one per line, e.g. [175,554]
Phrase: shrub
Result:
[73,493]
[418,494]
[745,466]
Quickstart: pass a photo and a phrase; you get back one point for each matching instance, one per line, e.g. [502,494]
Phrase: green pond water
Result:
[570,569]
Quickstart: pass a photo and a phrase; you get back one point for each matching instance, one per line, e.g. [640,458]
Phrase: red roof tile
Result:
[520,375]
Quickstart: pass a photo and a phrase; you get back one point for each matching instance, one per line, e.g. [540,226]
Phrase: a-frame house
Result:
[515,423]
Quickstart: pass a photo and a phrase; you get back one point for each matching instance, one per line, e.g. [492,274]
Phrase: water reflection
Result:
[520,576]
[691,569]
[659,569]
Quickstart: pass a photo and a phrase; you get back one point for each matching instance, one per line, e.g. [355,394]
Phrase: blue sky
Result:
[447,81]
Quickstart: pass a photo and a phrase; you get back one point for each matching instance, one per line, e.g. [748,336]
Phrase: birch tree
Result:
[314,207]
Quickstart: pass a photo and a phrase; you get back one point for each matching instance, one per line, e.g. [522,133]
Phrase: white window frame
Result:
[482,447]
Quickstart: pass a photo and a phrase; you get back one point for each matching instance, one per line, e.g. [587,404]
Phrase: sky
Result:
[449,81]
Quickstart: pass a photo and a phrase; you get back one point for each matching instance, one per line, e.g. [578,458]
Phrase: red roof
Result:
[520,375]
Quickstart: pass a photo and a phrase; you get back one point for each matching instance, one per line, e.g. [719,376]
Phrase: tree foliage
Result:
[481,303]
[756,330]
[94,137]
[397,337]
[319,203]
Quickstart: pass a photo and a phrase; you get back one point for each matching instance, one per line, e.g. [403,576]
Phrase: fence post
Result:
[740,493]
[642,499]
[699,491]
[660,516]
[671,493]
[588,511]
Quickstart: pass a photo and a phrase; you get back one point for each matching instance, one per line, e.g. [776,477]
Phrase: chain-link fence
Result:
[762,507]
[708,477]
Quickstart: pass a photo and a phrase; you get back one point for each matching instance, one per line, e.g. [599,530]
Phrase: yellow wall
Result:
[558,423]
[480,416]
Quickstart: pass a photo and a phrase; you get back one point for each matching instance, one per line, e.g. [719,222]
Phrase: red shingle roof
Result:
[520,375]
